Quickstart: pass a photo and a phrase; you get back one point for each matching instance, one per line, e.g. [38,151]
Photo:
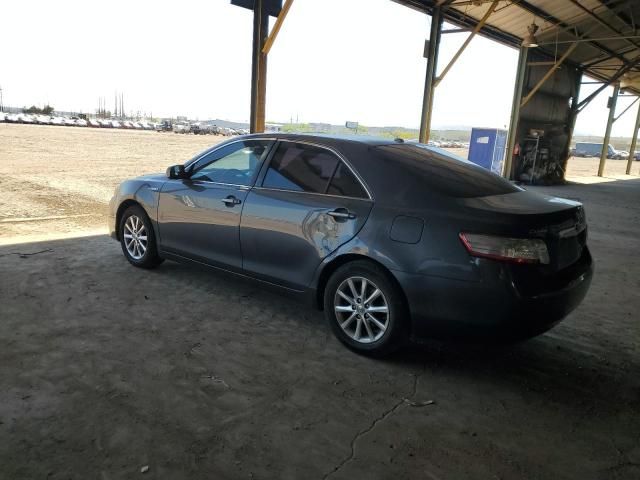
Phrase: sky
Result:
[334,60]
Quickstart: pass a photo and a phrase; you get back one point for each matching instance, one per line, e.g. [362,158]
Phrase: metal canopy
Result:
[603,35]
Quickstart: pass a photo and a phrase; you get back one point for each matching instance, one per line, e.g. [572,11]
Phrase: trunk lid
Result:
[558,221]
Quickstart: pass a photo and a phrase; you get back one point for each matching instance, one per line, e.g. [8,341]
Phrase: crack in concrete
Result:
[25,255]
[387,413]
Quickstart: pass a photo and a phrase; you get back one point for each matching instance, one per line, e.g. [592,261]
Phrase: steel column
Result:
[573,115]
[515,112]
[634,139]
[432,63]
[256,60]
[262,75]
[607,134]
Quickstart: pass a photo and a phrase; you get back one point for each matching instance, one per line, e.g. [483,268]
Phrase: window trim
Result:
[340,157]
[191,164]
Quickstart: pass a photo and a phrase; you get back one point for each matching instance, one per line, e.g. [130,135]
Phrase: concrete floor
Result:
[106,369]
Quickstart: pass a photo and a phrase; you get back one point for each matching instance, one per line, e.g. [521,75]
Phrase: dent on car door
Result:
[309,204]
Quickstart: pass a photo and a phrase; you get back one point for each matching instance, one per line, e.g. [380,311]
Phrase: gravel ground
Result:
[107,370]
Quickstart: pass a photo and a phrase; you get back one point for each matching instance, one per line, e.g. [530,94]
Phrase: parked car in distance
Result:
[181,128]
[620,155]
[456,251]
[26,118]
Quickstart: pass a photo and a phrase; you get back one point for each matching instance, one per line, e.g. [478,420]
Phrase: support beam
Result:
[433,50]
[602,22]
[255,64]
[262,76]
[626,109]
[276,27]
[473,33]
[607,134]
[525,5]
[547,75]
[598,39]
[573,115]
[634,139]
[614,78]
[515,112]
[258,68]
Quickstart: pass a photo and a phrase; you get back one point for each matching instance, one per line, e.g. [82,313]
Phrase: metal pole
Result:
[573,115]
[634,139]
[427,100]
[255,65]
[262,75]
[607,135]
[515,111]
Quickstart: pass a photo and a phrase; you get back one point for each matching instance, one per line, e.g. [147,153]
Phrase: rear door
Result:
[199,217]
[308,202]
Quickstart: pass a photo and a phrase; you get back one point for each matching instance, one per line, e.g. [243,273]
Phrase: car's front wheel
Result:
[366,310]
[137,238]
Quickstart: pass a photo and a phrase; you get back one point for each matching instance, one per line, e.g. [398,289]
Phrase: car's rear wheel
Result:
[137,238]
[365,308]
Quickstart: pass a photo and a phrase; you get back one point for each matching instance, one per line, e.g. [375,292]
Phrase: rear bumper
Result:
[494,307]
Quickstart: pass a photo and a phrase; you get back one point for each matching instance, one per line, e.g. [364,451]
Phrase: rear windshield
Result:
[446,173]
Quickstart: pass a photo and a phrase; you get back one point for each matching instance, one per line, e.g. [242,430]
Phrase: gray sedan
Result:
[392,240]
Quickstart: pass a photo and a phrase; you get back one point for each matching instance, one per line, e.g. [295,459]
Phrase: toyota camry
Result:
[392,240]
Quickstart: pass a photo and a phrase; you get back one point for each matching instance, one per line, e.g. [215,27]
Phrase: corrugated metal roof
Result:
[602,26]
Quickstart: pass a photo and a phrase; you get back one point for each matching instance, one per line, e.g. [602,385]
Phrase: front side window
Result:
[236,164]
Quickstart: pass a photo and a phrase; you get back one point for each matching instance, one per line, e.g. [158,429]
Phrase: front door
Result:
[199,217]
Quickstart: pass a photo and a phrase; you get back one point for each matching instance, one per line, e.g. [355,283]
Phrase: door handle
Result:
[342,214]
[230,201]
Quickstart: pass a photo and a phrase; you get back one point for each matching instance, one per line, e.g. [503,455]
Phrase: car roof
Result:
[327,138]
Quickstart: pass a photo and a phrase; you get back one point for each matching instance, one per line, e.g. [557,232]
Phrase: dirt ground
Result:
[60,179]
[106,370]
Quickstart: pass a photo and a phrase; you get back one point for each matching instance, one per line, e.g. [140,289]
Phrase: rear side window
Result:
[345,184]
[440,171]
[300,167]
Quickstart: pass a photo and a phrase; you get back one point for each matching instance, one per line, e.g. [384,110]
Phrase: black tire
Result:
[150,258]
[397,326]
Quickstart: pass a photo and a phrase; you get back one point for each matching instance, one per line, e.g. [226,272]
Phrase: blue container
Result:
[487,148]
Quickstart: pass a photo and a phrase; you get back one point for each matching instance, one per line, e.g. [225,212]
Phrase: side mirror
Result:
[176,172]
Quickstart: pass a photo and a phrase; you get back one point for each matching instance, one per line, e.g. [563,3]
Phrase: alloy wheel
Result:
[135,237]
[361,309]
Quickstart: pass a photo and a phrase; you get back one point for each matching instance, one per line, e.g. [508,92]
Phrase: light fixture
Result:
[530,39]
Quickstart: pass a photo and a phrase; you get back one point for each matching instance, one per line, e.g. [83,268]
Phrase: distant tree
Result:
[47,110]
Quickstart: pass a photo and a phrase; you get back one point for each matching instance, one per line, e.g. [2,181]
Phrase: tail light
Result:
[516,250]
